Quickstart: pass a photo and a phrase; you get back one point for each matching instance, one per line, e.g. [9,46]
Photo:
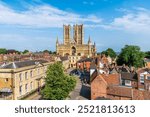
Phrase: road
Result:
[81,92]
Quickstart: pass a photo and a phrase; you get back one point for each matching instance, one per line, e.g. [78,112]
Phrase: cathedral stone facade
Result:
[75,46]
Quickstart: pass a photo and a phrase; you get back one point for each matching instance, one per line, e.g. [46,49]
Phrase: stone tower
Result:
[78,34]
[67,30]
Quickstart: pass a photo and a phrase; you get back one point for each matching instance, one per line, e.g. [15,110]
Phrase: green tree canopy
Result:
[47,51]
[58,85]
[110,52]
[3,51]
[25,51]
[132,56]
[54,52]
[147,54]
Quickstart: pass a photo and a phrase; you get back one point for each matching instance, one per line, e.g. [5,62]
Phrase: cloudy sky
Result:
[35,24]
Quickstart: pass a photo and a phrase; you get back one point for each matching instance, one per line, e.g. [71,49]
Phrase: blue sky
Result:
[35,24]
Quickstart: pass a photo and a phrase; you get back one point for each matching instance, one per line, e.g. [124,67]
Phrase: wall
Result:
[98,88]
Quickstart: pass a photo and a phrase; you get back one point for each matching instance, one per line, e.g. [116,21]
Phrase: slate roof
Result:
[20,64]
[64,58]
[5,90]
[85,60]
[129,76]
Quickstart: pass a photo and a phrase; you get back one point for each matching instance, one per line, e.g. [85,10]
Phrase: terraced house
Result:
[19,79]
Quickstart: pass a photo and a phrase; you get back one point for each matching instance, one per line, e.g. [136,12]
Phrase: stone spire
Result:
[57,42]
[94,44]
[89,41]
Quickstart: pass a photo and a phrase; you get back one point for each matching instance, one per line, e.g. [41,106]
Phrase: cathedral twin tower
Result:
[75,46]
[78,34]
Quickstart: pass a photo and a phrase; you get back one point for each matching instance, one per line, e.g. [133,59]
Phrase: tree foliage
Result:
[131,56]
[47,51]
[3,51]
[147,54]
[25,51]
[58,85]
[110,52]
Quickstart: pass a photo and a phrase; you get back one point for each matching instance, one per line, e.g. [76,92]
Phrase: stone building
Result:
[19,79]
[74,47]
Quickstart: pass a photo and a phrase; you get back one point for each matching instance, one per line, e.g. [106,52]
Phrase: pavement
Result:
[81,91]
[34,96]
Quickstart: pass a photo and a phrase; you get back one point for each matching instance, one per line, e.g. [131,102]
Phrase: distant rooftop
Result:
[20,64]
[85,60]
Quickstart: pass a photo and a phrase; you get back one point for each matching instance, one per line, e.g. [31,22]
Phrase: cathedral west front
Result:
[74,46]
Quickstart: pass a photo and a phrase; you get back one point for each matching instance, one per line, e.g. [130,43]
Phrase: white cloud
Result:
[43,16]
[134,22]
[88,3]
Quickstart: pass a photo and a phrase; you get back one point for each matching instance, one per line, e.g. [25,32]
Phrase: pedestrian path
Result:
[34,96]
[81,92]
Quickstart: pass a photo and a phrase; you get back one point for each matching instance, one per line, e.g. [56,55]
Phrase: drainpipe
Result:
[132,94]
[13,84]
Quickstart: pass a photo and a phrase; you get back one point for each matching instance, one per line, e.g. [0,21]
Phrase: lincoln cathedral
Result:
[74,46]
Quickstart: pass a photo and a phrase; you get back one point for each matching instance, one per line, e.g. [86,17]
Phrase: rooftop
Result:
[20,64]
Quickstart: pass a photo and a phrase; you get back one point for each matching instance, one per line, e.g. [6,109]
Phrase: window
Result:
[38,71]
[20,77]
[26,88]
[31,85]
[141,78]
[31,74]
[20,90]
[127,82]
[6,80]
[26,75]
[148,77]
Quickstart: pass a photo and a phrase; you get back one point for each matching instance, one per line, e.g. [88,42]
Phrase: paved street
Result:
[81,92]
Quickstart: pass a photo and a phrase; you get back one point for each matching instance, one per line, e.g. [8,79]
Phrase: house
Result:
[84,64]
[121,86]
[129,79]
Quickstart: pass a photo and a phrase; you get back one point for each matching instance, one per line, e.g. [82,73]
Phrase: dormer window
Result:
[141,78]
[148,77]
[127,82]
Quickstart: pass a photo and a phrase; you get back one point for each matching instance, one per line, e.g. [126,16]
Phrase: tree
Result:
[25,51]
[18,52]
[47,51]
[58,85]
[54,52]
[3,51]
[110,52]
[132,56]
[147,54]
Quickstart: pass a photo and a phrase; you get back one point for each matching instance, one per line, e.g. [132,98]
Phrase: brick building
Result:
[121,86]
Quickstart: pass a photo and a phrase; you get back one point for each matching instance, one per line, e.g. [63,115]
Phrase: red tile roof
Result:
[119,91]
[111,79]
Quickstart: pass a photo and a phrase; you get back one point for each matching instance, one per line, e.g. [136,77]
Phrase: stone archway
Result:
[73,49]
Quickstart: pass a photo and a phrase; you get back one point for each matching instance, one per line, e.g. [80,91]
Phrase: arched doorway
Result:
[73,50]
